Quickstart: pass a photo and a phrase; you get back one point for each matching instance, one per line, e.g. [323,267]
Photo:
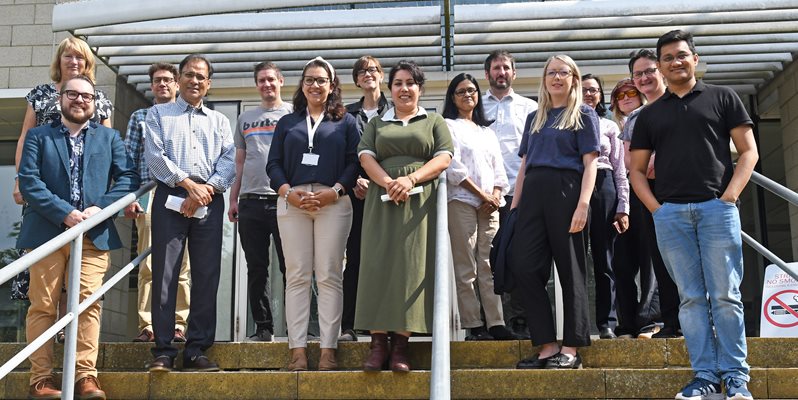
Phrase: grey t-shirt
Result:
[254,134]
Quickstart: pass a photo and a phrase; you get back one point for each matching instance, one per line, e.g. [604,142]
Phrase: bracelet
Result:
[413,179]
[286,196]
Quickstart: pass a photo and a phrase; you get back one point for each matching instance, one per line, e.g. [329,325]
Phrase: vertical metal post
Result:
[73,300]
[440,384]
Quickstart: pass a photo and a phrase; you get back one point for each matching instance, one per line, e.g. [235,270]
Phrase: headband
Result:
[332,70]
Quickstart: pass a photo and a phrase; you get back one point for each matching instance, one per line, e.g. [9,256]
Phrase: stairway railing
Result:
[786,194]
[73,235]
[440,381]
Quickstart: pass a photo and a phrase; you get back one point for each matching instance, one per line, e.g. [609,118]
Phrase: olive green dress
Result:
[397,257]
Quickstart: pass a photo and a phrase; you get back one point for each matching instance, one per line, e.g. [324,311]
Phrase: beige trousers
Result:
[145,278]
[48,276]
[471,233]
[314,244]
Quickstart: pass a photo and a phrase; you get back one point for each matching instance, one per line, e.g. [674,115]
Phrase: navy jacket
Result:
[108,174]
[500,258]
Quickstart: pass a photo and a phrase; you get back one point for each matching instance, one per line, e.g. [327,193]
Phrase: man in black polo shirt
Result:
[695,216]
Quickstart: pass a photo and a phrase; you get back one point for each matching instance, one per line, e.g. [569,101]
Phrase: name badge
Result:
[310,159]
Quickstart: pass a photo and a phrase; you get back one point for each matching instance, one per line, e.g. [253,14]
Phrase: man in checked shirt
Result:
[189,149]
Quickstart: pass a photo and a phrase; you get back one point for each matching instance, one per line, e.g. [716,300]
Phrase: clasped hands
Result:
[76,216]
[398,189]
[490,203]
[311,201]
[199,194]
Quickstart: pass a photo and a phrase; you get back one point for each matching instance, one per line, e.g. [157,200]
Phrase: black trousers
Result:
[633,255]
[352,269]
[548,201]
[170,230]
[257,220]
[603,207]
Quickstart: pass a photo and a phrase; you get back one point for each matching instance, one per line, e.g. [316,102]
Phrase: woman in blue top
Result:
[559,150]
[312,162]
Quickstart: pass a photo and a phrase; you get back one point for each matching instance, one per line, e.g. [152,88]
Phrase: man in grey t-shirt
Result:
[253,204]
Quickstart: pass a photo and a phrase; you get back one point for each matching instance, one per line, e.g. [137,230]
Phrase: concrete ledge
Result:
[783,383]
[223,385]
[528,384]
[363,385]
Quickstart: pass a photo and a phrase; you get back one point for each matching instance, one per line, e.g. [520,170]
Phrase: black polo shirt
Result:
[690,136]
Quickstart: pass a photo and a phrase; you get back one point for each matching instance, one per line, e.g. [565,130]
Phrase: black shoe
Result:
[261,335]
[606,333]
[534,362]
[668,332]
[161,364]
[564,361]
[199,364]
[479,333]
[348,335]
[519,327]
[500,332]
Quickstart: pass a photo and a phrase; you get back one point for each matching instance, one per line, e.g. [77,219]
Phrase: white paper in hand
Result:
[173,203]
[415,190]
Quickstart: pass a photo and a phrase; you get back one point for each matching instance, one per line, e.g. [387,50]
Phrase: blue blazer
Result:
[108,174]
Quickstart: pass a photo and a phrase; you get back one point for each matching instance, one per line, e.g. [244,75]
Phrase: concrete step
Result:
[631,353]
[589,383]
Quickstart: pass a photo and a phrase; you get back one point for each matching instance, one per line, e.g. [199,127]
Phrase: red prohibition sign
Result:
[789,309]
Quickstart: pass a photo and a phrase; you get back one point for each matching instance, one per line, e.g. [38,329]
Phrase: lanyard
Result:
[312,129]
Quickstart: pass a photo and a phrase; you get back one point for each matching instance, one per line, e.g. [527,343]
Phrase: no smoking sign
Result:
[779,304]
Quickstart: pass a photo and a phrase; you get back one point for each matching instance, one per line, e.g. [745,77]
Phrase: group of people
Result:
[357,184]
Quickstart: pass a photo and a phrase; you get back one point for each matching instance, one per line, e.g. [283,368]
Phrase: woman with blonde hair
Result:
[73,57]
[559,153]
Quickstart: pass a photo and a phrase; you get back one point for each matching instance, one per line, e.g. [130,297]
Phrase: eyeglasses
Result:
[680,56]
[467,92]
[309,80]
[649,72]
[590,90]
[561,74]
[74,94]
[628,93]
[192,75]
[370,70]
[167,80]
[75,57]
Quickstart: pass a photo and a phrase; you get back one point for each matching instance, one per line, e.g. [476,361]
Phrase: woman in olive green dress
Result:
[405,148]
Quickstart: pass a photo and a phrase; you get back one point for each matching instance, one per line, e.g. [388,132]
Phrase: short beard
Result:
[495,84]
[75,120]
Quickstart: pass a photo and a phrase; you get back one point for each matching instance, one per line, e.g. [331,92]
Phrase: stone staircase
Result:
[614,369]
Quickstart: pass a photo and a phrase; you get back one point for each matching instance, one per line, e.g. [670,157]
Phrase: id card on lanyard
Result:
[310,159]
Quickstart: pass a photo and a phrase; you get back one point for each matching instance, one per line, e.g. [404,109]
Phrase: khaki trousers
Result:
[145,278]
[471,233]
[47,278]
[314,244]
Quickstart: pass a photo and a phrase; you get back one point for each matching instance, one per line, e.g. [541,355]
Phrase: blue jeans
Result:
[702,249]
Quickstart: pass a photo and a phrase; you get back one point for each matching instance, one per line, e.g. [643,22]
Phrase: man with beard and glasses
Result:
[164,87]
[508,110]
[69,171]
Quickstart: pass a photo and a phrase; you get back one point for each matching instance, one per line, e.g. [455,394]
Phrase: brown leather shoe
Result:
[299,360]
[44,389]
[146,335]
[88,388]
[399,360]
[327,360]
[378,354]
[179,336]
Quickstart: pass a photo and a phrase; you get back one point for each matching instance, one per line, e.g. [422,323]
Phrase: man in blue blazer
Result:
[69,171]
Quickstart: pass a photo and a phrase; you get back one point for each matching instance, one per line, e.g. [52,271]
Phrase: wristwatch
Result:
[338,191]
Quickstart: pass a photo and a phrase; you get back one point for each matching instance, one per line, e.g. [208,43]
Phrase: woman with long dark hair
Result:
[552,194]
[404,150]
[476,185]
[312,163]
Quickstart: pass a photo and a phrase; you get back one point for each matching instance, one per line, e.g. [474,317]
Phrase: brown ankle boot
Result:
[378,354]
[299,360]
[399,359]
[327,360]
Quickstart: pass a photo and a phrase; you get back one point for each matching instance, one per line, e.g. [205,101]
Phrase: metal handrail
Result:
[73,235]
[440,381]
[786,194]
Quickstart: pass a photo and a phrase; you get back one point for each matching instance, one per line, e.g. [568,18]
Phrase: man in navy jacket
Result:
[69,171]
